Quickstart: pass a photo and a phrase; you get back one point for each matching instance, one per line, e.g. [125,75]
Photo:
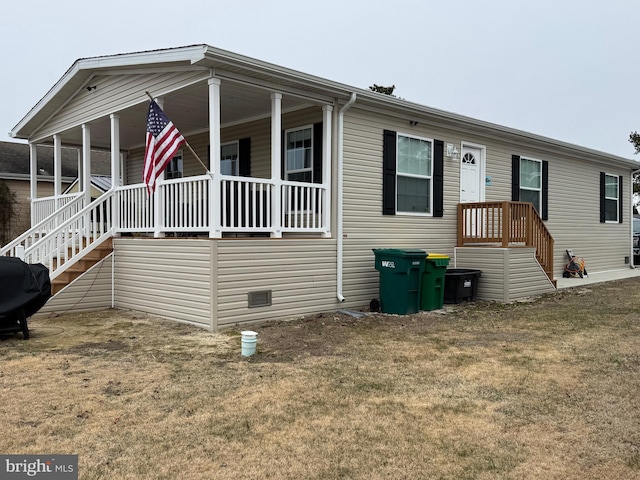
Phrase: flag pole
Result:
[185,142]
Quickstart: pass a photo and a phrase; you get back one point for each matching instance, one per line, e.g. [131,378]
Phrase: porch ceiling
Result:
[188,109]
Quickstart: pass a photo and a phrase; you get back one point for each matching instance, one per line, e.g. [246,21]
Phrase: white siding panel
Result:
[90,291]
[170,278]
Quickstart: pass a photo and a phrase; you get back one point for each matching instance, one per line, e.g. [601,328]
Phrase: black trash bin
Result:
[461,285]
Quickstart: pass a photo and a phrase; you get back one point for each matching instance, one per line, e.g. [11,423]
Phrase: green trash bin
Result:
[400,276]
[433,282]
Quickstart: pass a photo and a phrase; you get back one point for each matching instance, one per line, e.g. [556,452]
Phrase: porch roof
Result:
[258,75]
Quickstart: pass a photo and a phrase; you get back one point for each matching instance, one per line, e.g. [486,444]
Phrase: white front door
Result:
[471,174]
[472,188]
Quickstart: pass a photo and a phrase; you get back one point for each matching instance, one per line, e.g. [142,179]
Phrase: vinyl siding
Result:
[113,94]
[526,276]
[493,282]
[365,228]
[508,274]
[170,278]
[573,201]
[90,291]
[259,131]
[301,273]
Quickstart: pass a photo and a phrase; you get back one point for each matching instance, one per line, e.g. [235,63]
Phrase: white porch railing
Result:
[71,206]
[246,206]
[302,207]
[185,204]
[46,206]
[135,208]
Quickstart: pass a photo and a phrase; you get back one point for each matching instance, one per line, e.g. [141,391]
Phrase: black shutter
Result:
[620,209]
[244,157]
[317,153]
[438,179]
[515,178]
[603,203]
[389,173]
[545,190]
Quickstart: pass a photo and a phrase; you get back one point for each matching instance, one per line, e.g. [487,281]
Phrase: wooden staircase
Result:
[507,224]
[81,266]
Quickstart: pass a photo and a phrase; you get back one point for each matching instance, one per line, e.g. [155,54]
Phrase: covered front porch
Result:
[284,187]
[275,182]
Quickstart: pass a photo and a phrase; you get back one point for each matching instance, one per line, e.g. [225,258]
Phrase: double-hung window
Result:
[611,198]
[299,154]
[175,168]
[229,159]
[531,182]
[414,175]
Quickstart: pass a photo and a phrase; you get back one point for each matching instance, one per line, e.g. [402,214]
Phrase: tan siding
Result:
[526,277]
[507,274]
[492,284]
[365,228]
[114,93]
[259,131]
[574,217]
[300,273]
[91,291]
[165,277]
[573,201]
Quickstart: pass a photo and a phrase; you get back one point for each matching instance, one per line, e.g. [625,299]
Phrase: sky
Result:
[564,69]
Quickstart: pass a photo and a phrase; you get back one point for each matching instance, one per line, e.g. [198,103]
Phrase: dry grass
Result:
[548,389]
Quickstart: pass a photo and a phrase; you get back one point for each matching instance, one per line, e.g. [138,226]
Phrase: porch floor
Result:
[598,277]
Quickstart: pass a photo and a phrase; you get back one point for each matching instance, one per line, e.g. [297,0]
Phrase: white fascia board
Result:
[191,54]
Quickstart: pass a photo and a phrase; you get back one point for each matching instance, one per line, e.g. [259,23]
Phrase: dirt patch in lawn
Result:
[541,389]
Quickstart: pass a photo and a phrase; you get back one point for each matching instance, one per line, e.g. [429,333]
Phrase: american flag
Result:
[163,141]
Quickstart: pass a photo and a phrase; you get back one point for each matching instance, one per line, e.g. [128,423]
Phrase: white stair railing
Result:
[66,244]
[16,247]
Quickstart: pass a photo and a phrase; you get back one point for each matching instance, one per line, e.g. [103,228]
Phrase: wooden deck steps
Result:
[81,266]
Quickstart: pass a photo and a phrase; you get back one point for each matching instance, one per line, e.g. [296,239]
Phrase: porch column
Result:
[327,112]
[57,169]
[115,171]
[158,202]
[276,168]
[33,182]
[79,170]
[215,226]
[86,163]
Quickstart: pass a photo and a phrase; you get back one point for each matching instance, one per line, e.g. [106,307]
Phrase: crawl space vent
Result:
[260,298]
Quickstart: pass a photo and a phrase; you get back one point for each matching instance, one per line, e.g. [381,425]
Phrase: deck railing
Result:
[45,207]
[507,224]
[245,205]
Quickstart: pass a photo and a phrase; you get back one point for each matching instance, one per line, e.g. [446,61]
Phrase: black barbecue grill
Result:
[24,289]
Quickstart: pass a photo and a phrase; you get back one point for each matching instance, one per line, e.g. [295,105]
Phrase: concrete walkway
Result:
[598,277]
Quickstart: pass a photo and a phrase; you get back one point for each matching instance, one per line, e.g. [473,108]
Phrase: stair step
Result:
[81,266]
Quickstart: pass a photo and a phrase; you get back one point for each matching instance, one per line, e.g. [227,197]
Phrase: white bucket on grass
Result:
[249,340]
